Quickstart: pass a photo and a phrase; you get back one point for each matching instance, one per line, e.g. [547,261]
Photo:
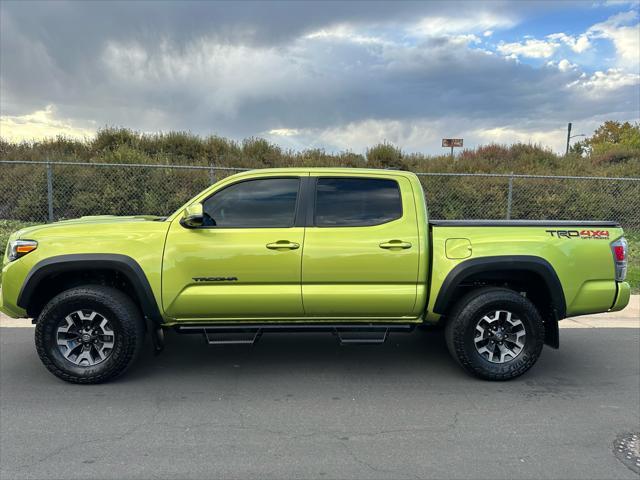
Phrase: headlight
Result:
[19,248]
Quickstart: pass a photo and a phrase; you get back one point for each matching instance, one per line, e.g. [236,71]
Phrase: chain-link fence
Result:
[32,191]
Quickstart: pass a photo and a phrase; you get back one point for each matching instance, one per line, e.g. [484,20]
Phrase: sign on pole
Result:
[452,142]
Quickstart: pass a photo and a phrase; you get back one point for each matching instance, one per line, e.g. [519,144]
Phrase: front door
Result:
[244,262]
[361,251]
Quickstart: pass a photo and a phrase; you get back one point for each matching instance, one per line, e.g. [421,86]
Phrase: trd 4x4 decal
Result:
[585,234]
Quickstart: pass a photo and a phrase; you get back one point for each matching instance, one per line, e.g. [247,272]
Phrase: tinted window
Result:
[356,202]
[269,202]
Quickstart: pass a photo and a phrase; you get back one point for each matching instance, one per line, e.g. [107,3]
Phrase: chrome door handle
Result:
[395,244]
[283,245]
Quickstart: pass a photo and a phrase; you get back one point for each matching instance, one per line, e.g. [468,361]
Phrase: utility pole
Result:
[569,137]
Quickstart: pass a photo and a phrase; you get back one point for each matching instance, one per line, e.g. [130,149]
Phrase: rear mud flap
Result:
[552,333]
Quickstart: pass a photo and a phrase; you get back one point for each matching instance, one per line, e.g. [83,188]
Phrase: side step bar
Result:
[248,334]
[218,338]
[373,337]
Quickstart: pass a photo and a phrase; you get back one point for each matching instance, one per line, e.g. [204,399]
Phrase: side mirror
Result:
[192,216]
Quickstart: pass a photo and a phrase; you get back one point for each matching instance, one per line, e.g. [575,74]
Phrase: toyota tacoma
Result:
[349,251]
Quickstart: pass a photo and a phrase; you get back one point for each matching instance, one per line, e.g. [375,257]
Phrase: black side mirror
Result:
[192,221]
[192,217]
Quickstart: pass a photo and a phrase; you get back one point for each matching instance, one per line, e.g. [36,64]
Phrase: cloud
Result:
[623,30]
[362,134]
[621,2]
[357,136]
[601,82]
[476,22]
[283,132]
[531,48]
[219,77]
[413,135]
[39,125]
[563,65]
[507,135]
[332,75]
[578,44]
[346,33]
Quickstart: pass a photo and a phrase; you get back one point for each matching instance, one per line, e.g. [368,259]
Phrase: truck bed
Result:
[523,223]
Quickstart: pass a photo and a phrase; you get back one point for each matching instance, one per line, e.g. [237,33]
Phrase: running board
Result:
[248,334]
[235,338]
[370,337]
[214,335]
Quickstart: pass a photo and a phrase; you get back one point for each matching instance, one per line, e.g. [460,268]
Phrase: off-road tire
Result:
[126,321]
[460,332]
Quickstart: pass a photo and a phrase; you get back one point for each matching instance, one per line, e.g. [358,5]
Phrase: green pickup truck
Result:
[348,251]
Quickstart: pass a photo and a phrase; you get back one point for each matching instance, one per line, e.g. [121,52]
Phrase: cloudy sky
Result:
[336,75]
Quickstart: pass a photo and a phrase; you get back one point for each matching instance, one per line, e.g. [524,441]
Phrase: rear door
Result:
[361,251]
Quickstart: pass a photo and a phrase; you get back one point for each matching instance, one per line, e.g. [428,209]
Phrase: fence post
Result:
[212,172]
[510,196]
[50,191]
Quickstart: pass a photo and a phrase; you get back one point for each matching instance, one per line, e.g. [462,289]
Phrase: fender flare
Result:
[529,263]
[123,264]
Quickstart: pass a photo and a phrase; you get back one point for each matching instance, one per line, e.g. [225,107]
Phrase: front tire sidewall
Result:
[125,344]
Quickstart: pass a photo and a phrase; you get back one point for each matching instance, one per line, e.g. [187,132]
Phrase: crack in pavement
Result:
[110,438]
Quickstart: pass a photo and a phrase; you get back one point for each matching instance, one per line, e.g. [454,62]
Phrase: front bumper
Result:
[13,275]
[8,311]
[622,297]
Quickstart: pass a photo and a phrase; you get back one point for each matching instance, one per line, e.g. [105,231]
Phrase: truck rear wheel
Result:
[495,333]
[89,334]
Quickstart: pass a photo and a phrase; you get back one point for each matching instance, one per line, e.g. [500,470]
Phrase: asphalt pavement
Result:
[301,406]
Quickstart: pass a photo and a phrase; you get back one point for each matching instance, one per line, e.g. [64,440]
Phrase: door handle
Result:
[395,244]
[283,245]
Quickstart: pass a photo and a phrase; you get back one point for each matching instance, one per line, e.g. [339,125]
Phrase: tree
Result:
[609,136]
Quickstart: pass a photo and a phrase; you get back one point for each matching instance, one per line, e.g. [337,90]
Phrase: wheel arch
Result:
[75,264]
[528,273]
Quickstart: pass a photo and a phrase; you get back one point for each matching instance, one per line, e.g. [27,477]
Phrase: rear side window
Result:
[356,202]
[264,203]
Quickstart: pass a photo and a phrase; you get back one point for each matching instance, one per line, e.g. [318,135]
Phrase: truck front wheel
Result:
[495,333]
[89,334]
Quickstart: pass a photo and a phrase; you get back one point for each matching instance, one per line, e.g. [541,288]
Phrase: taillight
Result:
[619,250]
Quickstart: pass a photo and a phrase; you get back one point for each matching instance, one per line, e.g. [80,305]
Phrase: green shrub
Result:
[612,151]
[385,155]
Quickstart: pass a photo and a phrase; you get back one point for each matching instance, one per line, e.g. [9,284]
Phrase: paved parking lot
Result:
[300,406]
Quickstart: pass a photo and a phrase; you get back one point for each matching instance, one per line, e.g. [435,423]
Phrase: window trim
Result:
[311,216]
[296,213]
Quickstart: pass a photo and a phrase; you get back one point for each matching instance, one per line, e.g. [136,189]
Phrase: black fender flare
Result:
[123,264]
[530,263]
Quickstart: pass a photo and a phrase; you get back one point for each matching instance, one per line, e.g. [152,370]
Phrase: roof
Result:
[327,170]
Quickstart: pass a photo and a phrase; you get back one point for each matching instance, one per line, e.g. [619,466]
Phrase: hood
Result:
[89,220]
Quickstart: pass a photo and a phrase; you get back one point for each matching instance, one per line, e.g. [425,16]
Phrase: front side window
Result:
[356,202]
[264,203]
